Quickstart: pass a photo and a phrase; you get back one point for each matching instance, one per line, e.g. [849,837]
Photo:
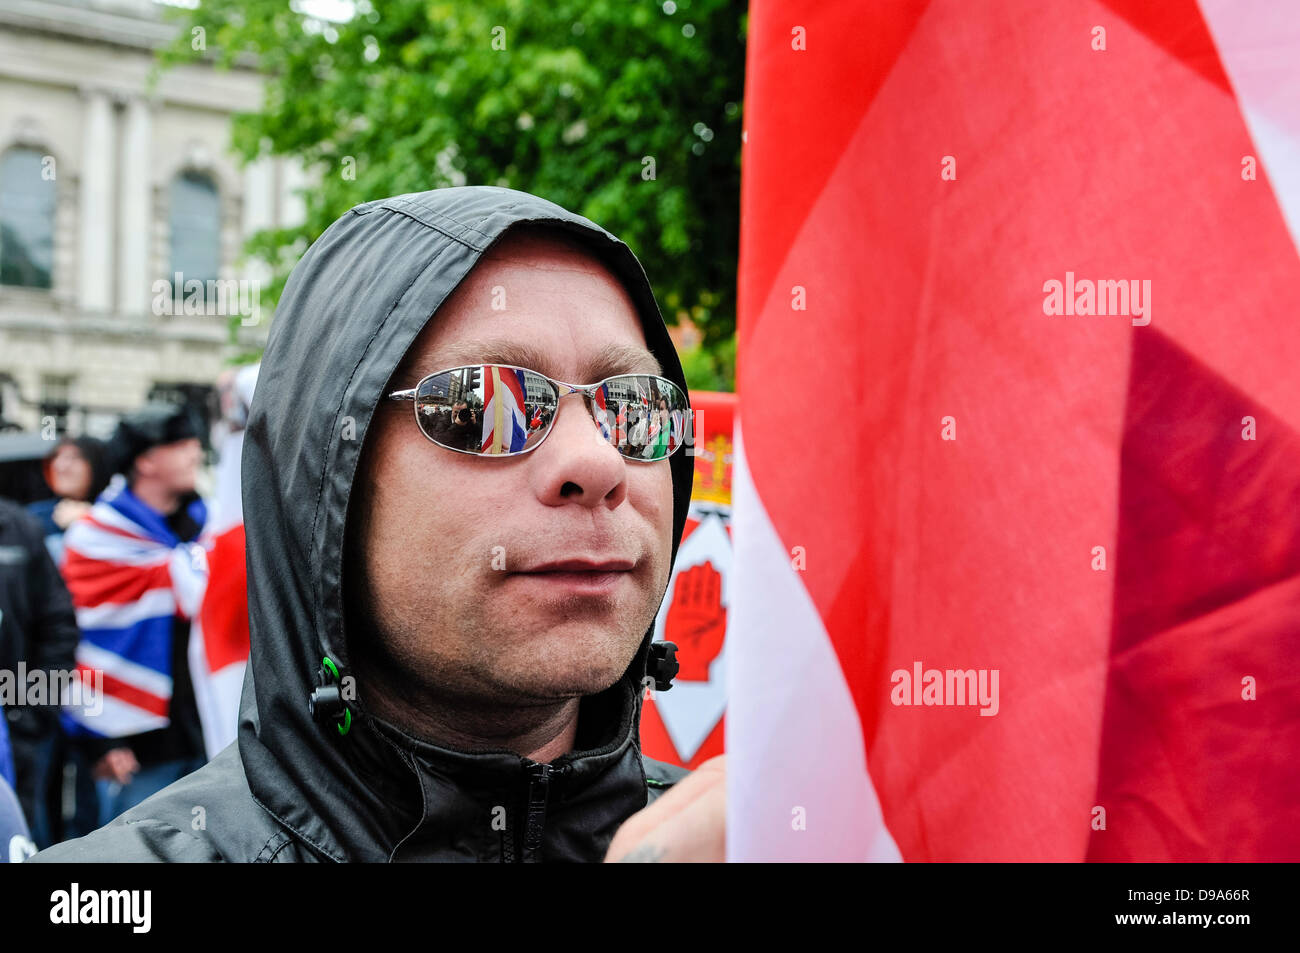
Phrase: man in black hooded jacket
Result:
[448,650]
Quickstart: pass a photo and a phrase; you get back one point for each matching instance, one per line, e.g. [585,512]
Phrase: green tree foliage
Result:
[627,111]
[711,368]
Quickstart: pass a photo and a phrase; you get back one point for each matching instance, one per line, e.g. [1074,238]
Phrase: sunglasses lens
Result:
[487,409]
[645,417]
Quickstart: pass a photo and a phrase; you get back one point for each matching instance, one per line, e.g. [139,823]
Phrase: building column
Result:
[293,207]
[134,282]
[259,211]
[259,195]
[95,228]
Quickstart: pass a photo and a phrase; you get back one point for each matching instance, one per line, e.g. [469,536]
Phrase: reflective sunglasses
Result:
[499,410]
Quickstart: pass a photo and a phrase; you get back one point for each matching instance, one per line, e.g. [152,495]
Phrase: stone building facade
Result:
[108,185]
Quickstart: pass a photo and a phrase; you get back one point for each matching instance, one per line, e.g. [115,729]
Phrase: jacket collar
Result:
[439,801]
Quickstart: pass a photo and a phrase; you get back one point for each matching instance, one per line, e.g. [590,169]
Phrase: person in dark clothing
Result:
[77,470]
[457,428]
[136,577]
[38,632]
[449,650]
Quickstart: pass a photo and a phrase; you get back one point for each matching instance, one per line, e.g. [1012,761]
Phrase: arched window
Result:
[26,220]
[195,229]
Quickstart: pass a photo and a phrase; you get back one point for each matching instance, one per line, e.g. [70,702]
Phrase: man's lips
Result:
[596,577]
[582,565]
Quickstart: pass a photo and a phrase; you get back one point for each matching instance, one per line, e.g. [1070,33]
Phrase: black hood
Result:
[351,309]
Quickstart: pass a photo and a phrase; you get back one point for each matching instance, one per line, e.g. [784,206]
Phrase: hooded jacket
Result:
[292,788]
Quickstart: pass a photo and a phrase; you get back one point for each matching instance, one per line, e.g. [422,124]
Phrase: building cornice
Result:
[135,26]
[107,326]
[46,43]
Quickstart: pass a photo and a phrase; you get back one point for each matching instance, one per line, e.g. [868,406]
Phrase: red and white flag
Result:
[219,634]
[1017,491]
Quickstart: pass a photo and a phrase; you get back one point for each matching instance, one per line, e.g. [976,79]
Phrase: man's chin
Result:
[559,671]
[559,688]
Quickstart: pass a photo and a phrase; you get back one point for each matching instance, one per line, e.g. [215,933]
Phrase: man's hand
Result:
[118,765]
[688,824]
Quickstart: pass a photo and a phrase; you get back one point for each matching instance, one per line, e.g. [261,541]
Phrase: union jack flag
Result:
[129,575]
[505,426]
[602,416]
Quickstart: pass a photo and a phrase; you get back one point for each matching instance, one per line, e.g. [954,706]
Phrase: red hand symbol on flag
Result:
[697,621]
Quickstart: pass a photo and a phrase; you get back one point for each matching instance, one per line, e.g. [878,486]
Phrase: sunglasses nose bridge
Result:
[588,395]
[567,389]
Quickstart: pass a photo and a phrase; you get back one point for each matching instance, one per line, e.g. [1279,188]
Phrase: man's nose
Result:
[575,463]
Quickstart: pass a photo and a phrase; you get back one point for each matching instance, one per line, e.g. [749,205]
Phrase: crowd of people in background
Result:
[646,428]
[127,581]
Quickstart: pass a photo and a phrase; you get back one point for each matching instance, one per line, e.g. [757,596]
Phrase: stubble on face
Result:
[445,623]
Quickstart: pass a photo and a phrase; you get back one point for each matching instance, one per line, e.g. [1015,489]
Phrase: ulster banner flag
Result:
[1017,481]
[686,725]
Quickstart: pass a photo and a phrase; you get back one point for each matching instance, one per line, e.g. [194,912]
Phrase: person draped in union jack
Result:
[137,575]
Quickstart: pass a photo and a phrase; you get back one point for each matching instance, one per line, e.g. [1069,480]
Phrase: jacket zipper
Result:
[539,786]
